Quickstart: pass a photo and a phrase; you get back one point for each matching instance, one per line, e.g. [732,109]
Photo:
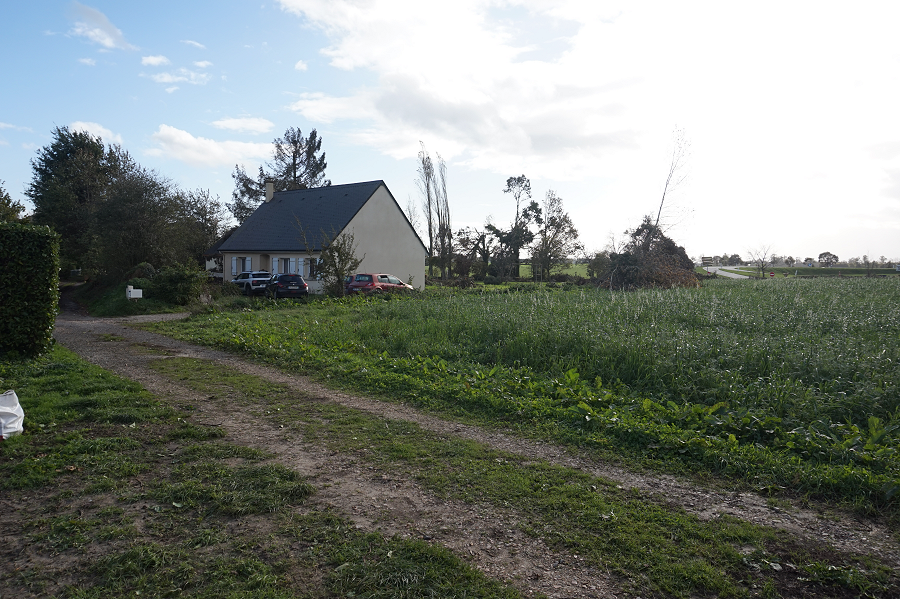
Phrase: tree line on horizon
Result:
[112,214]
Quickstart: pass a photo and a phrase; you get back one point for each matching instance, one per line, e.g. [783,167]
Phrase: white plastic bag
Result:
[12,416]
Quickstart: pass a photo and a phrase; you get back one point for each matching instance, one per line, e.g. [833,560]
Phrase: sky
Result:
[788,110]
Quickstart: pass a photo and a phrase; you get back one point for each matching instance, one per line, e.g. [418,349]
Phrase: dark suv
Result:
[286,285]
[252,282]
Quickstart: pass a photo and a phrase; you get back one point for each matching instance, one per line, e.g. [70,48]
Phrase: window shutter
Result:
[234,265]
[292,266]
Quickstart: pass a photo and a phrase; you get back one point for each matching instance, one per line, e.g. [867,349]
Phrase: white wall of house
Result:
[382,233]
[275,262]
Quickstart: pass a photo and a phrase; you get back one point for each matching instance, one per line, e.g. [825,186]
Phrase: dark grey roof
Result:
[276,225]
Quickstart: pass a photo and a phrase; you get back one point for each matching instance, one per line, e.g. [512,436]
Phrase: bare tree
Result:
[432,184]
[761,258]
[412,214]
[338,262]
[425,183]
[335,262]
[680,147]
[442,214]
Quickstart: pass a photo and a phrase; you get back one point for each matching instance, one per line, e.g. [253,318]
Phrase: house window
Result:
[315,268]
[284,265]
[241,264]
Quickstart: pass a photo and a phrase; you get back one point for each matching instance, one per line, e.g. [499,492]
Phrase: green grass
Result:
[119,495]
[575,270]
[649,546]
[791,385]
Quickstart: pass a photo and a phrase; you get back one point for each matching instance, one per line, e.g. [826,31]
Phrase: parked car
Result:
[252,282]
[286,285]
[376,283]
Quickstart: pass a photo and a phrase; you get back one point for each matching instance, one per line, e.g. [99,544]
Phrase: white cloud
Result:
[181,76]
[477,99]
[16,127]
[199,151]
[246,124]
[301,66]
[93,24]
[193,43]
[203,64]
[88,61]
[154,61]
[172,89]
[96,130]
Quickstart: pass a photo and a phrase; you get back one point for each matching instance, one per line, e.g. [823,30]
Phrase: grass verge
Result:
[117,494]
[653,548]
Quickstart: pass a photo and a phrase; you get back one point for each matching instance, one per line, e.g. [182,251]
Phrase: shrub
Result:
[179,285]
[140,283]
[144,270]
[29,287]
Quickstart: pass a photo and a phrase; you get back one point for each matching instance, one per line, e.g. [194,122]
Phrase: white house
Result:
[286,233]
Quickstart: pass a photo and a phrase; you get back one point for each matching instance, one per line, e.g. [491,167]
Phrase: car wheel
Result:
[246,289]
[274,294]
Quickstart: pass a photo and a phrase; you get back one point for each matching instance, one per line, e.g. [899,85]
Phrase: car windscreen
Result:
[363,278]
[289,278]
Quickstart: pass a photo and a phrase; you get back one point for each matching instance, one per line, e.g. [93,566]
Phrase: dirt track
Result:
[487,538]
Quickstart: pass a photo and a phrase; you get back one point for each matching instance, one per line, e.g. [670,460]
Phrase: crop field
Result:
[787,386]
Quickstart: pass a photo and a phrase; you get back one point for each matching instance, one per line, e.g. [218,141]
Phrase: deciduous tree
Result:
[432,184]
[827,259]
[556,238]
[112,213]
[511,241]
[338,261]
[10,210]
[761,258]
[70,179]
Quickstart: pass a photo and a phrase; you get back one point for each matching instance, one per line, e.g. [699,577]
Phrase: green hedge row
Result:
[29,288]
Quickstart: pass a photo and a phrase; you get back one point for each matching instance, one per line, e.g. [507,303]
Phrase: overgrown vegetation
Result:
[789,387]
[111,213]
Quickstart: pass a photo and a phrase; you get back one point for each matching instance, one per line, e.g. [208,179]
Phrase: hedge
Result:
[29,288]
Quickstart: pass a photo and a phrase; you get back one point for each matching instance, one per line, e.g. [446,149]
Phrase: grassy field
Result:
[117,495]
[806,272]
[790,387]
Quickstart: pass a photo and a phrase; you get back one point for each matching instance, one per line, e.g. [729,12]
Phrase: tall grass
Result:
[801,349]
[791,383]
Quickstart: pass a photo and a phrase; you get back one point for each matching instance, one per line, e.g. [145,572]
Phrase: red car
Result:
[375,283]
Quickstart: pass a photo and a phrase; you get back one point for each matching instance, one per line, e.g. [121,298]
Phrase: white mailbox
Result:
[132,293]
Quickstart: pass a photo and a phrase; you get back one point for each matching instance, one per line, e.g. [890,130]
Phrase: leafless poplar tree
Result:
[425,183]
[432,184]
